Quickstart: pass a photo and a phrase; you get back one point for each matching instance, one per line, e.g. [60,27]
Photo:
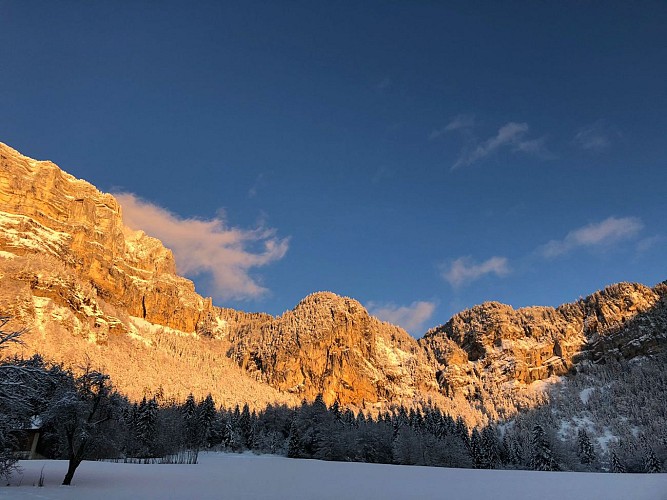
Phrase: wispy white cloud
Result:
[464,270]
[600,234]
[208,246]
[512,135]
[411,318]
[596,137]
[459,122]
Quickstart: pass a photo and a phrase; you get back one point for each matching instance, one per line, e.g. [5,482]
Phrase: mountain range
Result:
[91,290]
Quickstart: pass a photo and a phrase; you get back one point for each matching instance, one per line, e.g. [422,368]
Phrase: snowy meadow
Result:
[249,476]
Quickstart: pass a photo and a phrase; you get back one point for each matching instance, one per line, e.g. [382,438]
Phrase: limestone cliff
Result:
[46,211]
[484,351]
[330,344]
[88,287]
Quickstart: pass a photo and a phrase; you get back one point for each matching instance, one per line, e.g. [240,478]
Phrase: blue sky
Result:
[421,157]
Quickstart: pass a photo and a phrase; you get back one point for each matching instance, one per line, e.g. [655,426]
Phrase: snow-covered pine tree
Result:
[615,465]
[512,450]
[294,447]
[146,426]
[585,450]
[542,456]
[651,463]
[462,429]
[246,426]
[190,422]
[207,417]
[490,448]
[475,450]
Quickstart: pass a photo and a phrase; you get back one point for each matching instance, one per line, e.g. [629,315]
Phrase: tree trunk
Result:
[73,464]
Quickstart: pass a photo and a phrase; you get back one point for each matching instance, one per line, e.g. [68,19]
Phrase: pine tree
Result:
[146,426]
[542,457]
[191,422]
[335,411]
[514,455]
[294,448]
[585,449]
[475,450]
[490,448]
[207,416]
[651,463]
[616,466]
[245,426]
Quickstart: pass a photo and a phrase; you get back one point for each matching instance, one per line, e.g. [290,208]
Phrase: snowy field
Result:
[232,476]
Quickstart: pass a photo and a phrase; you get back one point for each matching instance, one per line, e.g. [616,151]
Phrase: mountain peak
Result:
[331,301]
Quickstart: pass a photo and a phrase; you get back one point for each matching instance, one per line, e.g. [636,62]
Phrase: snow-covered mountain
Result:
[88,286]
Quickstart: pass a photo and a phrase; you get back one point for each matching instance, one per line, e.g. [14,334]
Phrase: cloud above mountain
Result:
[465,270]
[209,246]
[600,234]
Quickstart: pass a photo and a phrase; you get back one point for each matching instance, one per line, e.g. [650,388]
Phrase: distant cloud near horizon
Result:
[464,270]
[208,246]
[410,318]
[606,232]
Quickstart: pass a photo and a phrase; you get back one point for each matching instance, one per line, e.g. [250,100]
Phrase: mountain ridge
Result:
[86,283]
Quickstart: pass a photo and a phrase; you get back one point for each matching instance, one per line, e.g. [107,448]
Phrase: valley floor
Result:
[246,476]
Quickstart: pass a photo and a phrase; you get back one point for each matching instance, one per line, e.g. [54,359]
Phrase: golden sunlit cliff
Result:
[89,289]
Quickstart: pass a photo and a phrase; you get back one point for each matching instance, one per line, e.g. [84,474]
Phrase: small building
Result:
[27,439]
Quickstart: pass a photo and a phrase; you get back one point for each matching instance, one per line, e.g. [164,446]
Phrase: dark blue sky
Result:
[418,156]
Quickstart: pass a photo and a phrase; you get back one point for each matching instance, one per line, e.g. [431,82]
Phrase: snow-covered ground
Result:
[231,476]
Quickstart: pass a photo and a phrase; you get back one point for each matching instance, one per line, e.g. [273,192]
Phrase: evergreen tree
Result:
[585,449]
[146,426]
[400,421]
[294,448]
[475,450]
[542,456]
[490,448]
[245,424]
[462,430]
[207,417]
[335,411]
[513,450]
[616,466]
[191,423]
[651,463]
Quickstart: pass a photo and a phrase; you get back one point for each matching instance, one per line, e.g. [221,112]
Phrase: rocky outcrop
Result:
[330,344]
[494,344]
[46,211]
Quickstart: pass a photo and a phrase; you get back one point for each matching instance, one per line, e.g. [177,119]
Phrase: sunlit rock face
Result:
[44,210]
[88,287]
[330,344]
[495,344]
